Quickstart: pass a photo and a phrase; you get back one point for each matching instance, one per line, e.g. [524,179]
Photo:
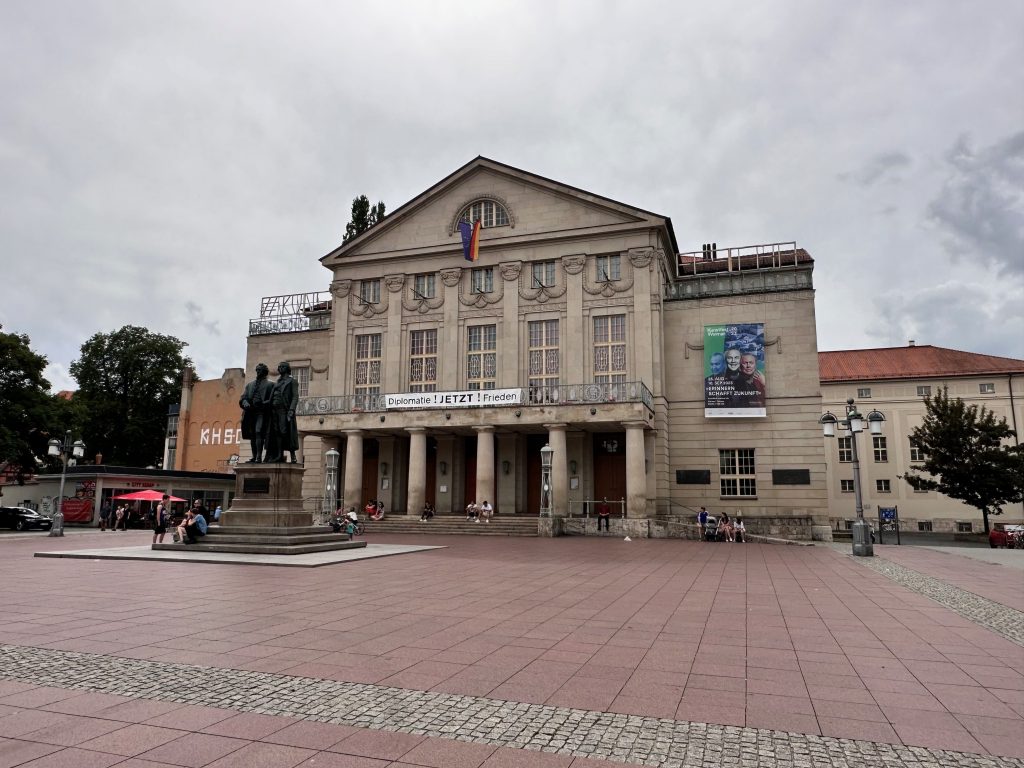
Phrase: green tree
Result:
[966,456]
[126,381]
[26,406]
[364,216]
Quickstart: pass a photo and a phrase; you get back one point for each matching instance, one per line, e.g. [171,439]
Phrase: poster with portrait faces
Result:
[735,382]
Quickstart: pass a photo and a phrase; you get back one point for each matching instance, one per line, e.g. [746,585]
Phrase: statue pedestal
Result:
[267,496]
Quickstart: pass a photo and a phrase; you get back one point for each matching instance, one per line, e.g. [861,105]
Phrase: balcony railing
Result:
[292,313]
[557,394]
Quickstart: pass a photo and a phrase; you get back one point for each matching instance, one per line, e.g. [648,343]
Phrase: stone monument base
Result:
[266,517]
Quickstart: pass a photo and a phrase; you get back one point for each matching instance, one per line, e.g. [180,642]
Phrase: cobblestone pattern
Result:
[616,737]
[999,618]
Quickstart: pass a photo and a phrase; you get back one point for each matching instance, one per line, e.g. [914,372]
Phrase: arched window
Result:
[488,212]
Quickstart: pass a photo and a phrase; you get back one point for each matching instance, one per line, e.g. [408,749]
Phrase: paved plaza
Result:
[512,652]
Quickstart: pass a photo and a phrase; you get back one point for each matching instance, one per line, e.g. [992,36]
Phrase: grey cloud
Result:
[877,167]
[197,318]
[980,209]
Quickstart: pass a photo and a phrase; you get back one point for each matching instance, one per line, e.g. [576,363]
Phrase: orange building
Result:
[205,433]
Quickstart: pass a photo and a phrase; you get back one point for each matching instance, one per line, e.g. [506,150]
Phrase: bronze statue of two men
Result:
[268,415]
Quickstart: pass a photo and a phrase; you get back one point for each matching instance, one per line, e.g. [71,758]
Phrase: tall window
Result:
[301,375]
[481,357]
[543,274]
[916,454]
[606,268]
[423,361]
[482,280]
[369,291]
[423,286]
[368,347]
[610,349]
[881,451]
[736,469]
[543,360]
[487,212]
[846,486]
[846,449]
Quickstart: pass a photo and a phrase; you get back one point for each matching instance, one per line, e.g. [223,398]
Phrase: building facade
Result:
[204,430]
[895,382]
[580,326]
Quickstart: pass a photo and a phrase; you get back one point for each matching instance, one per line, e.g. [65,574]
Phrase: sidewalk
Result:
[508,651]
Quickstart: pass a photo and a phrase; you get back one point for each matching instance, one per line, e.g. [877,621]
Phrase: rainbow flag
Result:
[470,239]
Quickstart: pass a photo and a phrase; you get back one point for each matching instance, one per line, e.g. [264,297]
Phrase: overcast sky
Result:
[167,164]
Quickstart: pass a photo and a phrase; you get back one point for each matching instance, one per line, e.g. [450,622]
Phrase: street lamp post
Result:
[331,489]
[545,480]
[64,450]
[854,422]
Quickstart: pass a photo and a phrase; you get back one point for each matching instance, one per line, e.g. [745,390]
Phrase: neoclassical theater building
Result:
[661,380]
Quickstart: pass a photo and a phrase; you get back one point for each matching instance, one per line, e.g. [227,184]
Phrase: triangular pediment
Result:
[538,208]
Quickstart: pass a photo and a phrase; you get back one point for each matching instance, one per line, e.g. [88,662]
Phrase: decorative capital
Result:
[340,288]
[450,277]
[394,282]
[641,258]
[510,269]
[574,264]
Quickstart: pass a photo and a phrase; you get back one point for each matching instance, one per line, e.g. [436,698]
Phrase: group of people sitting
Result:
[476,511]
[374,509]
[721,528]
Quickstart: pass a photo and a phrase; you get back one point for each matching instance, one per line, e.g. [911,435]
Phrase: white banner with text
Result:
[471,398]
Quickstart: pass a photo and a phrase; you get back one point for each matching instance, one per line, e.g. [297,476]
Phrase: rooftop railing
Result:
[744,258]
[555,394]
[293,312]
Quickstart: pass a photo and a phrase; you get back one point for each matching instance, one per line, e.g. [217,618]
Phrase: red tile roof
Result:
[917,362]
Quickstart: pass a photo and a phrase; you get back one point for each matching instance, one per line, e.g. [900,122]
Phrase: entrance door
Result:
[430,493]
[469,476]
[371,452]
[610,465]
[533,445]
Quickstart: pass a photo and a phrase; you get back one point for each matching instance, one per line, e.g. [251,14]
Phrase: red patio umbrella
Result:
[144,496]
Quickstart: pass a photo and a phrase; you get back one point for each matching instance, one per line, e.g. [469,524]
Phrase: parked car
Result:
[23,519]
[1006,535]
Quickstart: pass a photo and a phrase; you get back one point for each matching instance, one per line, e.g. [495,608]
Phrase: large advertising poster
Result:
[734,370]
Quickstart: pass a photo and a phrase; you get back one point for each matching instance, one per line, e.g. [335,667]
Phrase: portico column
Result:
[417,470]
[484,465]
[559,470]
[353,468]
[636,475]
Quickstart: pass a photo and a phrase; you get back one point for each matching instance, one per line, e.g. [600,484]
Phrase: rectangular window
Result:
[845,449]
[962,527]
[481,357]
[424,286]
[986,389]
[846,486]
[369,291]
[543,364]
[482,280]
[368,360]
[543,274]
[610,349]
[864,392]
[924,391]
[883,486]
[606,268]
[423,361]
[736,469]
[881,451]
[924,525]
[301,375]
[916,454]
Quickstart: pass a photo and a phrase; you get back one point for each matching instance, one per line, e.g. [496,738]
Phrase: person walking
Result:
[604,513]
[160,519]
[104,516]
[119,516]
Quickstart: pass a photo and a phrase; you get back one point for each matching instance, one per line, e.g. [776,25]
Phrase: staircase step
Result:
[262,549]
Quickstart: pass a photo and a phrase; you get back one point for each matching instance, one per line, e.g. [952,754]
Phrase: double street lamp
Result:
[854,422]
[64,450]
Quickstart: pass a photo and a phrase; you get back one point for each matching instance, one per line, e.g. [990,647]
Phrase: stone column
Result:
[636,477]
[559,470]
[485,465]
[353,487]
[417,470]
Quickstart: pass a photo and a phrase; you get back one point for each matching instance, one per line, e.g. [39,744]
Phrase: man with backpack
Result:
[161,518]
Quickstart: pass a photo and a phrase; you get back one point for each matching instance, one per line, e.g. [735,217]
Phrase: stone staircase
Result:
[266,541]
[449,525]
